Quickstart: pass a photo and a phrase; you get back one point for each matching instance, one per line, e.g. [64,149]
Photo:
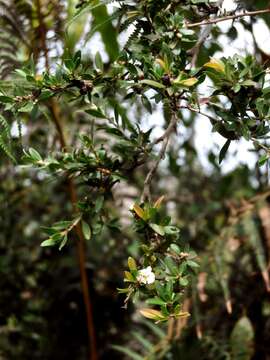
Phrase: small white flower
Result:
[146,276]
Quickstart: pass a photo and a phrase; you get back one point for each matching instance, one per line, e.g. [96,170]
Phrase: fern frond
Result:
[5,148]
[125,24]
[133,36]
[5,128]
[13,20]
[124,350]
[19,125]
[13,23]
[18,30]
[154,349]
[156,330]
[5,138]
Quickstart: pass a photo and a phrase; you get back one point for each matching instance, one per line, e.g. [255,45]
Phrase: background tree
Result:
[81,152]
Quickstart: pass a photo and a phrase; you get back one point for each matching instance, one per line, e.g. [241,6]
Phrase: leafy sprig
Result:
[165,267]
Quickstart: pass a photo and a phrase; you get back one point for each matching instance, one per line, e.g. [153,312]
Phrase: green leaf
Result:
[98,62]
[112,131]
[86,230]
[123,291]
[69,64]
[249,83]
[183,281]
[170,264]
[61,225]
[171,230]
[28,107]
[160,290]
[155,301]
[142,340]
[63,242]
[192,264]
[47,243]
[96,112]
[49,230]
[45,94]
[156,330]
[132,355]
[263,159]
[34,154]
[99,203]
[132,264]
[186,82]
[224,150]
[147,104]
[175,248]
[242,340]
[6,99]
[77,59]
[21,73]
[153,83]
[158,229]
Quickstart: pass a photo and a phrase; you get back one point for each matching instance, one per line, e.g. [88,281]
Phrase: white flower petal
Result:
[146,276]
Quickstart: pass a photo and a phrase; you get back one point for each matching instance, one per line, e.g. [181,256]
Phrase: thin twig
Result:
[199,112]
[228,17]
[165,140]
[196,49]
[264,147]
[168,131]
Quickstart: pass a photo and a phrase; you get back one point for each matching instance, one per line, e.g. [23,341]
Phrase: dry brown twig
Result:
[228,17]
[165,141]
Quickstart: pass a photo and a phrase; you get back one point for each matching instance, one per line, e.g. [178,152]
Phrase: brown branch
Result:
[182,322]
[228,17]
[170,329]
[80,243]
[42,29]
[56,117]
[165,140]
[169,130]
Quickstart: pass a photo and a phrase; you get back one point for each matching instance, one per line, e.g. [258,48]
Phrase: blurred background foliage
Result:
[224,217]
